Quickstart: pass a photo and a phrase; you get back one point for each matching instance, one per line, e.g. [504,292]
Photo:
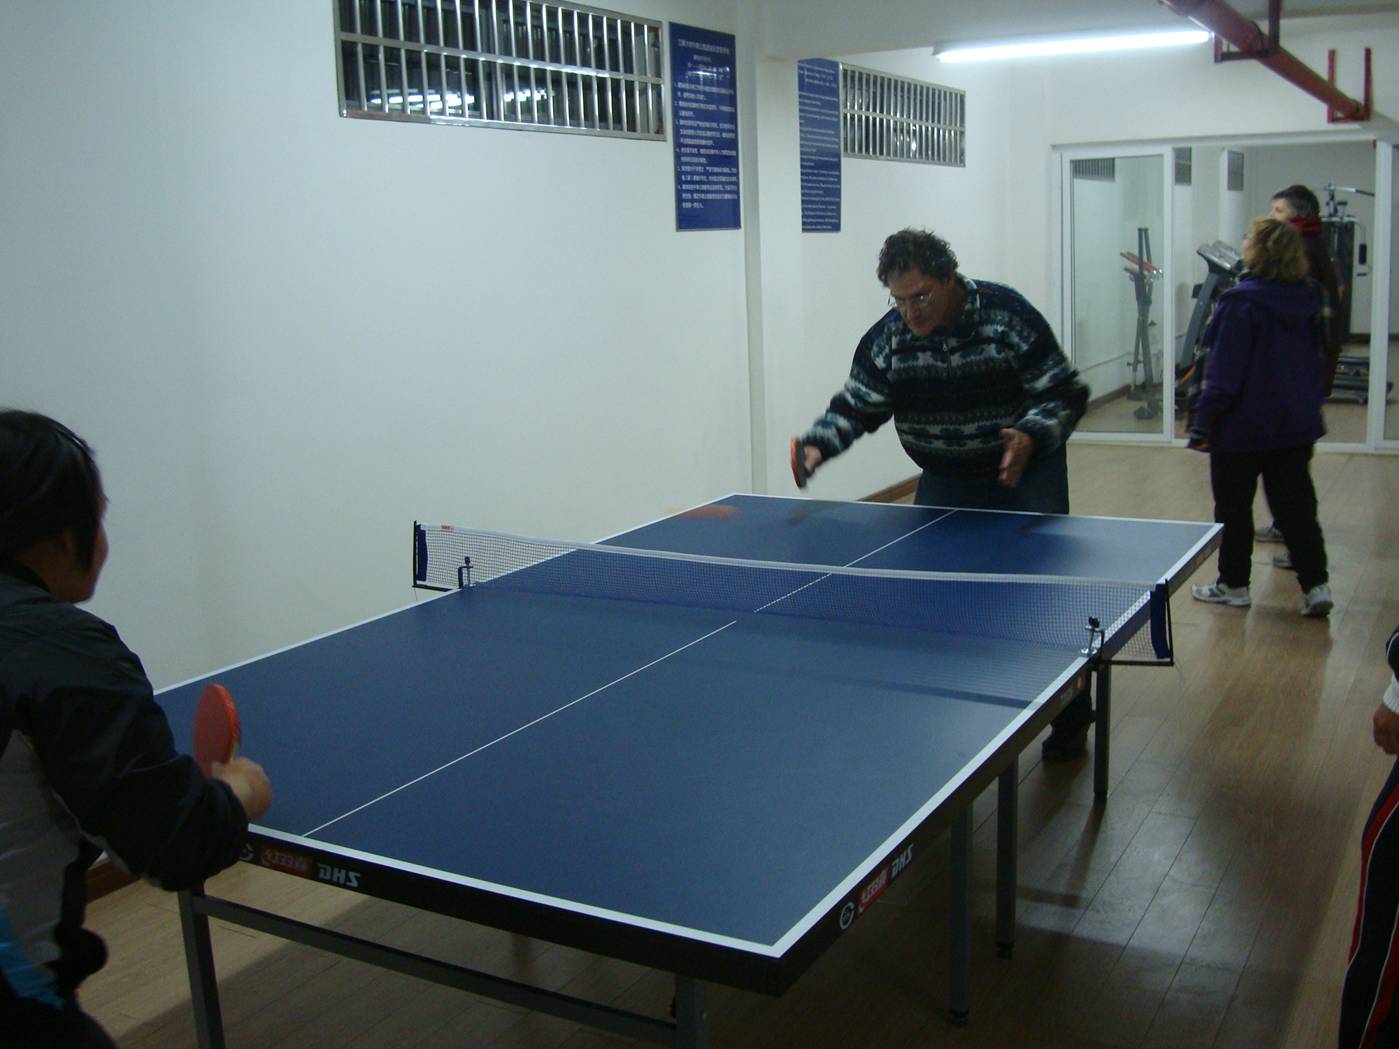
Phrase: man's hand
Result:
[1386,730]
[810,459]
[249,783]
[1019,446]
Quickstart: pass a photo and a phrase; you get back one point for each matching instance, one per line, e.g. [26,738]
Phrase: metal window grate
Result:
[510,63]
[890,118]
[1184,164]
[1236,171]
[1098,169]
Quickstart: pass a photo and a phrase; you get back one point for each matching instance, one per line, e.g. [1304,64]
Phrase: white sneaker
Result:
[1267,535]
[1217,593]
[1317,602]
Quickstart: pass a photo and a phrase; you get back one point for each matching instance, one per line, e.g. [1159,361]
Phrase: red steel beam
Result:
[1227,24]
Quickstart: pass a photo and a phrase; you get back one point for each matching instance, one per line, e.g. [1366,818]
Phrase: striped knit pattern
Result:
[952,392]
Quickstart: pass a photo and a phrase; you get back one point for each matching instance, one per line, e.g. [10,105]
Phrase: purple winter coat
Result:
[1265,376]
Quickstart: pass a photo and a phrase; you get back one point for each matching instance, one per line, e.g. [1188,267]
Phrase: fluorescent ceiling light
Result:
[1073,45]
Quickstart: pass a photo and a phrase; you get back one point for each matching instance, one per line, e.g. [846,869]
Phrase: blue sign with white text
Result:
[818,127]
[704,115]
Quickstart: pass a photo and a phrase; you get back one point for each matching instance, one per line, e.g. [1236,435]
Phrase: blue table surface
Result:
[683,768]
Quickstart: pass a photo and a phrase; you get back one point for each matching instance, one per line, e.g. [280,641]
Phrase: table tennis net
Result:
[1044,610]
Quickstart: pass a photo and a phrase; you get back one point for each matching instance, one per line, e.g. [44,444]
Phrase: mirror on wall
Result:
[1139,300]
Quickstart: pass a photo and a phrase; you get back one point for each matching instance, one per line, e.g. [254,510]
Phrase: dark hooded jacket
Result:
[87,763]
[1265,374]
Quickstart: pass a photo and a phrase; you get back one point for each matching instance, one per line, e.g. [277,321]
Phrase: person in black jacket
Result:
[87,760]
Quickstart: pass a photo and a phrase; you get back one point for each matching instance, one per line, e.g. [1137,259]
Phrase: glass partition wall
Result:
[1152,238]
[1117,289]
[1386,348]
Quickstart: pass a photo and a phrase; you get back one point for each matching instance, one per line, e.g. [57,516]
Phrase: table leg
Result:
[959,916]
[691,1014]
[203,982]
[1007,798]
[1101,730]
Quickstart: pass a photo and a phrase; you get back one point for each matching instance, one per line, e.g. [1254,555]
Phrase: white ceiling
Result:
[808,28]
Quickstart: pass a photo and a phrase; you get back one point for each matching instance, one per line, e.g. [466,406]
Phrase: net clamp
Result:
[464,574]
[1097,637]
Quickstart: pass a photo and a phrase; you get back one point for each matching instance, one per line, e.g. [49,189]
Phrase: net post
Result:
[1162,643]
[419,554]
[1097,637]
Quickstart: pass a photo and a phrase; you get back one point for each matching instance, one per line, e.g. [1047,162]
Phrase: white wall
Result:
[821,290]
[1102,338]
[288,334]
[1234,208]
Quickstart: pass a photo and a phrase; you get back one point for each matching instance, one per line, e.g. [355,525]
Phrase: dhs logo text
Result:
[337,876]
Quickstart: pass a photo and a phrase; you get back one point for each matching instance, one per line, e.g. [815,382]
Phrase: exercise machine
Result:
[1346,242]
[1223,264]
[1143,274]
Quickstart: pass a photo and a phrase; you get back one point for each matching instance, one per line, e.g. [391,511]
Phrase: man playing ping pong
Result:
[981,394]
[87,761]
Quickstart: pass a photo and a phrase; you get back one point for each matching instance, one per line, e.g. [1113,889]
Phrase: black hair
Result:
[1300,199]
[916,249]
[49,484]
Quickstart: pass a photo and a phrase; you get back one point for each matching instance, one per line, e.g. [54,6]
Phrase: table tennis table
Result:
[713,793]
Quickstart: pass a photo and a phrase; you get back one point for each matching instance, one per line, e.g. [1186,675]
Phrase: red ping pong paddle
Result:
[216,729]
[798,456]
[713,511]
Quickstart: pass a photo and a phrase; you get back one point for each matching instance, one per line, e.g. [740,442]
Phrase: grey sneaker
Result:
[1282,560]
[1267,535]
[1317,602]
[1217,593]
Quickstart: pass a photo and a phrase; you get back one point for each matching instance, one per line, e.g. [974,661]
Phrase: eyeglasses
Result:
[913,302]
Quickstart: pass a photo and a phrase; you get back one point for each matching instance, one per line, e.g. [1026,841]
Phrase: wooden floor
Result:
[1207,903]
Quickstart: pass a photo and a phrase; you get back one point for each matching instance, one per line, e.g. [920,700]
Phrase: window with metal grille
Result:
[1236,171]
[1184,162]
[511,63]
[889,118]
[1099,169]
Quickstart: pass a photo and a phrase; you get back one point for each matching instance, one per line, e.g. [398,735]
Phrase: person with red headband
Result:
[1298,206]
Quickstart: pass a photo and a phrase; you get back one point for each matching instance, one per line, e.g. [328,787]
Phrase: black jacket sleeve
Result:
[107,751]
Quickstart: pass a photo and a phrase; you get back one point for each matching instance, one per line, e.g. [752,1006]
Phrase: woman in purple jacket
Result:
[1259,413]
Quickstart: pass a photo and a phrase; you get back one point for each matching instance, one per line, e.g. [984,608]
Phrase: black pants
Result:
[1287,484]
[1368,1017]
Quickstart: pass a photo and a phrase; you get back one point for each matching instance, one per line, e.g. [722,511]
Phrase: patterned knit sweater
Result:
[952,392]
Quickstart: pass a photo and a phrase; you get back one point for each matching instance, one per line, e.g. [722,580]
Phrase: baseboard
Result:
[103,877]
[895,492]
[1111,395]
